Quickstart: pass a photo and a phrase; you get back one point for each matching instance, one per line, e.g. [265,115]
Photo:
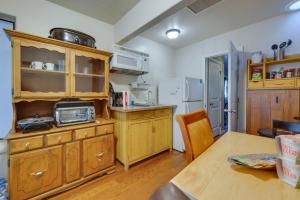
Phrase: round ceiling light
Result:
[294,5]
[173,33]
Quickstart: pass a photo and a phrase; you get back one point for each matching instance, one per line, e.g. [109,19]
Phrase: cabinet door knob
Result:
[59,139]
[40,173]
[105,130]
[85,134]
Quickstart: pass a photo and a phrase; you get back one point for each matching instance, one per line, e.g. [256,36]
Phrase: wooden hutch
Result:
[44,163]
[271,98]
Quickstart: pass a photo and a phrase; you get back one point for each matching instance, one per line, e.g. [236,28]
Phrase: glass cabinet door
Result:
[90,74]
[41,71]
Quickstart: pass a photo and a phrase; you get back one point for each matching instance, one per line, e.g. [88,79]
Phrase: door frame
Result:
[221,82]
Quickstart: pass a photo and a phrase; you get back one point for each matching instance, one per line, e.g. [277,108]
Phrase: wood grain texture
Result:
[211,176]
[196,132]
[73,161]
[141,134]
[258,110]
[27,36]
[58,138]
[35,172]
[98,154]
[26,144]
[136,184]
[264,106]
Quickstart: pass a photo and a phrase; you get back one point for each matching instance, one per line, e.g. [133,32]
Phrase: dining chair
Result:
[168,191]
[197,133]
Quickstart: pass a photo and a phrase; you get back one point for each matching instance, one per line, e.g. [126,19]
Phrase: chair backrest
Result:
[292,127]
[197,133]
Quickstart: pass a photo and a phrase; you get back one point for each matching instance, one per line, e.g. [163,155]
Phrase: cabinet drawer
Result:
[58,138]
[105,129]
[141,115]
[84,133]
[163,112]
[255,84]
[26,144]
[98,154]
[280,83]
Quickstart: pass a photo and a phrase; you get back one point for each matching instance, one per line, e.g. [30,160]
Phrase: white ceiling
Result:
[109,11]
[220,18]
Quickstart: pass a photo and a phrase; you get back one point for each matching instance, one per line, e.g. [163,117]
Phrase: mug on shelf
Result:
[36,65]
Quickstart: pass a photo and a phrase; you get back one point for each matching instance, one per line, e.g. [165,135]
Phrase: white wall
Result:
[161,65]
[259,36]
[39,16]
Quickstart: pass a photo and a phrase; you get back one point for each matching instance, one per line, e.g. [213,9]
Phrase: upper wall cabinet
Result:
[45,69]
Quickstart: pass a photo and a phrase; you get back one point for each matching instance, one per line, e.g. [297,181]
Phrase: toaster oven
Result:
[74,112]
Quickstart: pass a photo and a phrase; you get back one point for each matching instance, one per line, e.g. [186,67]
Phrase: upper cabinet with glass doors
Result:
[45,68]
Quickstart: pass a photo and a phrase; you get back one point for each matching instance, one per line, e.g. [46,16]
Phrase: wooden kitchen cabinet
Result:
[258,111]
[67,163]
[35,172]
[140,138]
[98,154]
[77,71]
[73,160]
[264,106]
[90,74]
[161,130]
[141,134]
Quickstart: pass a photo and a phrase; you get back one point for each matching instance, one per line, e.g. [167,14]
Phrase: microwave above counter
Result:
[128,61]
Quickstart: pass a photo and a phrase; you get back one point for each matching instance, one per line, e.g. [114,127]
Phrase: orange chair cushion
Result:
[201,136]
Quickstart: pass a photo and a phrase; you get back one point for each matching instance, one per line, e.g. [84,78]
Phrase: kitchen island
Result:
[142,131]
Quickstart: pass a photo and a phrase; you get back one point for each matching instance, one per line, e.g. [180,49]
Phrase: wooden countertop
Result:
[212,177]
[54,129]
[140,108]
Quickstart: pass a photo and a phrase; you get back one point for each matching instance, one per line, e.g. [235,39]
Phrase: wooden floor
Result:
[136,184]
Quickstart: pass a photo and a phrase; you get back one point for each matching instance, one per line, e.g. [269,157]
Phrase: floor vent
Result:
[200,5]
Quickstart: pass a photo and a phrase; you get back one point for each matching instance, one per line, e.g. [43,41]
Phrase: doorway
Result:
[217,92]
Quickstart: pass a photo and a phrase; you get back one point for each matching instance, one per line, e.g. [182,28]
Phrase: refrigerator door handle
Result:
[187,87]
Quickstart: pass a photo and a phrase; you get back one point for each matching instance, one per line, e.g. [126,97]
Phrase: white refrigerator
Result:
[187,95]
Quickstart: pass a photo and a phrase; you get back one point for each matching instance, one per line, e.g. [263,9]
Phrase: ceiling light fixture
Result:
[173,33]
[294,5]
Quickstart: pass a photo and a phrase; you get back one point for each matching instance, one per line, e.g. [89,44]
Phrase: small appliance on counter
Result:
[72,36]
[35,124]
[121,99]
[74,112]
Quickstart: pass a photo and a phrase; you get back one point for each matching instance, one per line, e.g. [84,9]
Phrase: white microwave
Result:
[129,61]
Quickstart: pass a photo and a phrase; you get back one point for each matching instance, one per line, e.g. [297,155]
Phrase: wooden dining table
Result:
[212,177]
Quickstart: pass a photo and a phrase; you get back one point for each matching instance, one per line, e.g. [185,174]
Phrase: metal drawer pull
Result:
[59,139]
[105,130]
[100,155]
[38,173]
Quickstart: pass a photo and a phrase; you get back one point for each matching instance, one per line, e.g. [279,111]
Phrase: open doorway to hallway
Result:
[217,92]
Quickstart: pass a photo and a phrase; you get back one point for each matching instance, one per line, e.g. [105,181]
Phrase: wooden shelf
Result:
[256,65]
[89,75]
[287,60]
[39,71]
[260,80]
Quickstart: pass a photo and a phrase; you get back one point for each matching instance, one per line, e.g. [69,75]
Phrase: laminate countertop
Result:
[140,108]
